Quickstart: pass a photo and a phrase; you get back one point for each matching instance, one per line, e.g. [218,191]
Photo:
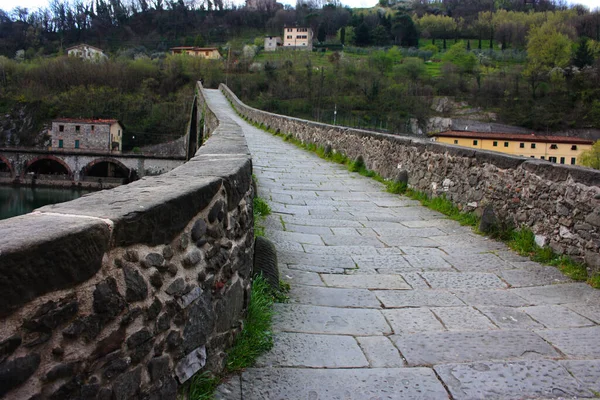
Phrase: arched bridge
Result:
[22,165]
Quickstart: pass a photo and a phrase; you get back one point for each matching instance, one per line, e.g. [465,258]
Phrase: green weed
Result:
[594,281]
[256,337]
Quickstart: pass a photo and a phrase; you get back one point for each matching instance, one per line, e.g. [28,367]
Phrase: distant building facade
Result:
[557,149]
[210,53]
[298,38]
[272,43]
[99,135]
[87,52]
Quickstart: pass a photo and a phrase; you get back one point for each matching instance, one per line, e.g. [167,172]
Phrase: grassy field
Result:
[485,44]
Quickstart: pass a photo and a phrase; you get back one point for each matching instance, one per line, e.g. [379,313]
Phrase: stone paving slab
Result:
[324,260]
[426,262]
[559,294]
[586,372]
[380,352]
[340,250]
[333,297]
[330,320]
[501,298]
[339,240]
[588,310]
[555,316]
[430,348]
[341,384]
[284,236]
[575,342]
[408,241]
[412,320]
[510,380]
[463,319]
[313,351]
[295,277]
[377,261]
[366,281]
[509,317]
[316,269]
[533,276]
[312,221]
[477,262]
[315,230]
[464,280]
[417,298]
[415,280]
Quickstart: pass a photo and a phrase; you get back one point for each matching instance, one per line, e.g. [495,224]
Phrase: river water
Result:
[17,200]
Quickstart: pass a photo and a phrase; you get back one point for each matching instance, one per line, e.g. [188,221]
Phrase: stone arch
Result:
[101,168]
[52,165]
[5,165]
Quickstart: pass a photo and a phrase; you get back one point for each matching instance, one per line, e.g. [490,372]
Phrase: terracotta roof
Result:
[516,137]
[194,48]
[87,121]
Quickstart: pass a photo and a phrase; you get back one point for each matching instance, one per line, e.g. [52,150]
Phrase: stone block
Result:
[333,297]
[136,286]
[380,352]
[430,348]
[151,211]
[412,320]
[388,282]
[417,298]
[16,371]
[72,247]
[364,383]
[301,350]
[127,385]
[190,364]
[520,379]
[574,342]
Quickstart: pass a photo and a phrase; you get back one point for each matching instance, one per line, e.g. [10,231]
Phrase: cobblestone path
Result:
[390,300]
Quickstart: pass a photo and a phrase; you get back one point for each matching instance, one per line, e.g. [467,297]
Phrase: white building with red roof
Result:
[98,135]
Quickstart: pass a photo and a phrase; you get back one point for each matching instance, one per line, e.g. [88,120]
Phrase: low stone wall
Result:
[560,203]
[127,293]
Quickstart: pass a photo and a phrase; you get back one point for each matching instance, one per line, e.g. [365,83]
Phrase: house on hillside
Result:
[297,38]
[272,43]
[98,135]
[210,53]
[557,149]
[87,52]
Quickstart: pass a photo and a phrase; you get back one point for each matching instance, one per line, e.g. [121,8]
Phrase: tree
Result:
[405,32]
[362,36]
[591,158]
[583,55]
[461,58]
[546,49]
[380,36]
[321,33]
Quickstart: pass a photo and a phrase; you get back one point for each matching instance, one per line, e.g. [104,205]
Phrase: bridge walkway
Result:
[391,300]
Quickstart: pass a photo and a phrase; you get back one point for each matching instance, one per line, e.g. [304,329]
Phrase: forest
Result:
[534,64]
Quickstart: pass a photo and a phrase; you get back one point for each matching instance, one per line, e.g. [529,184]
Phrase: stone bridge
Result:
[127,293]
[18,165]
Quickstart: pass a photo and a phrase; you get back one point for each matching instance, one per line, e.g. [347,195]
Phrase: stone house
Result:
[87,52]
[556,149]
[298,38]
[210,53]
[98,135]
[272,43]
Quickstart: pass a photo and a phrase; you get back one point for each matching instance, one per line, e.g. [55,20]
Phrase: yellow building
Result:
[297,38]
[210,53]
[557,149]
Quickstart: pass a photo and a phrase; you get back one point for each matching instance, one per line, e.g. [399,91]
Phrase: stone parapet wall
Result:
[560,203]
[127,293]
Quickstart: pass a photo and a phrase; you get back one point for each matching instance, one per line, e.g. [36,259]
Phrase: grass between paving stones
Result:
[255,339]
[261,210]
[521,240]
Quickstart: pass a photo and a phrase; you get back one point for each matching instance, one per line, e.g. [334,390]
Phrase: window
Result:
[532,156]
[554,147]
[474,142]
[574,147]
[495,144]
[542,158]
[455,141]
[61,128]
[533,145]
[77,128]
[92,128]
[521,145]
[505,144]
[119,133]
[572,160]
[76,144]
[562,160]
[552,159]
[60,143]
[289,36]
